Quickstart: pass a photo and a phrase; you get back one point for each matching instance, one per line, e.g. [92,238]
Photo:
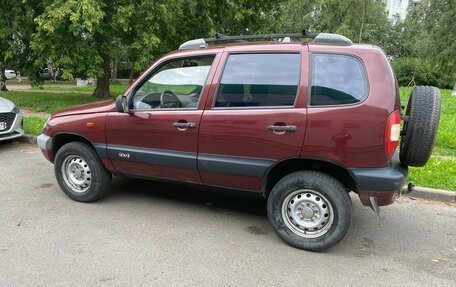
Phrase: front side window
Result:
[259,80]
[337,80]
[177,84]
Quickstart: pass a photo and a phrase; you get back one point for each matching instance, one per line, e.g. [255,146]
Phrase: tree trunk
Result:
[114,70]
[454,90]
[132,74]
[102,89]
[2,78]
[363,19]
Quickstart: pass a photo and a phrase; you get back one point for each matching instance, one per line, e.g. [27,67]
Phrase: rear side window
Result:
[337,80]
[259,80]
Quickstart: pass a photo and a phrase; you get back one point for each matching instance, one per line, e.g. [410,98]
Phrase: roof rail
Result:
[323,38]
[327,38]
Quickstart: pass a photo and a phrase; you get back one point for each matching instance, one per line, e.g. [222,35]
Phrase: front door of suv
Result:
[255,118]
[158,137]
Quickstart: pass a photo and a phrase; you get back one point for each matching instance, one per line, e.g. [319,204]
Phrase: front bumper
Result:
[45,144]
[16,130]
[381,183]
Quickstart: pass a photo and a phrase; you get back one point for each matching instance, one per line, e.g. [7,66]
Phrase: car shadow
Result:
[208,197]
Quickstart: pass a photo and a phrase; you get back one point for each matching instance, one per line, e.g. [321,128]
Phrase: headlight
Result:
[15,110]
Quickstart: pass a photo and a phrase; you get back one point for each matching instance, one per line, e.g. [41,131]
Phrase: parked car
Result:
[11,122]
[45,75]
[302,123]
[10,74]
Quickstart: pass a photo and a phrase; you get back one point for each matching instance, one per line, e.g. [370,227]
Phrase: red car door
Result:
[158,137]
[254,118]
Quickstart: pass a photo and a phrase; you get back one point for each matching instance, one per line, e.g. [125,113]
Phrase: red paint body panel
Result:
[244,132]
[77,125]
[353,135]
[98,107]
[154,129]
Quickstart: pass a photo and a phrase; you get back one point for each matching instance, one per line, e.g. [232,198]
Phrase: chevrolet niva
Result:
[301,122]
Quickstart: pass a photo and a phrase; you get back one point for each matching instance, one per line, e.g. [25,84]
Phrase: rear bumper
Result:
[45,144]
[382,183]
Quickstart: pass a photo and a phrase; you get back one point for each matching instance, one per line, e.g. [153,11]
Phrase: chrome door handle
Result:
[184,125]
[282,128]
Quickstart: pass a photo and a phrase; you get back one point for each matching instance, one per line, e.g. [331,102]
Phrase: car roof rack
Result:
[320,38]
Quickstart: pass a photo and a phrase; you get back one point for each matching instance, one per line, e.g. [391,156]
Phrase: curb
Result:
[418,192]
[431,194]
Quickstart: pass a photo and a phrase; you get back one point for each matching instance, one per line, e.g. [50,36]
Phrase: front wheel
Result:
[310,210]
[80,172]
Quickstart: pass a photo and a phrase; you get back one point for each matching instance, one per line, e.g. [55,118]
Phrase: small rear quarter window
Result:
[337,80]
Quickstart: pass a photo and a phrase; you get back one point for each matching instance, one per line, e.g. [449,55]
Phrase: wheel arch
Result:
[282,168]
[61,139]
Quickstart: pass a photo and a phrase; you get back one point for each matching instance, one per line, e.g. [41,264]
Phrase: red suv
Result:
[302,123]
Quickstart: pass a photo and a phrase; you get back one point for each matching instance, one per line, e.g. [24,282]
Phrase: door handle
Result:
[275,128]
[184,125]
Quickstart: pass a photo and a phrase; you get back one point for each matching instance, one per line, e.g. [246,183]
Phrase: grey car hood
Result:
[6,105]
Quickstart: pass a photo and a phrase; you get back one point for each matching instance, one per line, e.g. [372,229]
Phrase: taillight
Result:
[392,133]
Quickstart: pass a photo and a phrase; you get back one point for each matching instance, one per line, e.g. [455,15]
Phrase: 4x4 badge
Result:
[124,154]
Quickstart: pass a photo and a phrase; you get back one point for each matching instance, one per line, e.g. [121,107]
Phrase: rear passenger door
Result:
[255,117]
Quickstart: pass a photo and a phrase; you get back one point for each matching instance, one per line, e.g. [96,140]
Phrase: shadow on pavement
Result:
[213,198]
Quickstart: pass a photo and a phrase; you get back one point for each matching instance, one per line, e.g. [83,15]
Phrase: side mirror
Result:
[122,104]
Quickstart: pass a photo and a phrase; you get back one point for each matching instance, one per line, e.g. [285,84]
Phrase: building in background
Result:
[397,9]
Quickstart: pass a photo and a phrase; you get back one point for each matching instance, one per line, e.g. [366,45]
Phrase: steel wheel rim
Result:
[76,173]
[307,213]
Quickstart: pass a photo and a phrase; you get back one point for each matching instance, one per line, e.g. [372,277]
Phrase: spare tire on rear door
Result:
[420,126]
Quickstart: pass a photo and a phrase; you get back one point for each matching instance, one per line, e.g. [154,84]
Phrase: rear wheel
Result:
[80,172]
[420,126]
[310,210]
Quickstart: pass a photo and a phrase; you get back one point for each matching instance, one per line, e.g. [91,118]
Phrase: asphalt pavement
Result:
[146,233]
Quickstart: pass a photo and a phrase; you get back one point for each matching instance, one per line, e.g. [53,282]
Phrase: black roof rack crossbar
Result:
[320,38]
[221,37]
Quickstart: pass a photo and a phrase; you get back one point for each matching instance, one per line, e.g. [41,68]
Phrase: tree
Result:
[16,28]
[430,30]
[84,36]
[360,20]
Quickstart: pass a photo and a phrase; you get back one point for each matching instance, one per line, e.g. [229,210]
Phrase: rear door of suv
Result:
[255,115]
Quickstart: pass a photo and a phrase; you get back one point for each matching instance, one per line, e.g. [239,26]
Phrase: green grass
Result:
[33,125]
[446,135]
[48,103]
[440,172]
[114,89]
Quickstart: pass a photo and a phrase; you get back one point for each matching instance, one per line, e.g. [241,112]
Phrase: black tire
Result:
[94,173]
[420,127]
[322,186]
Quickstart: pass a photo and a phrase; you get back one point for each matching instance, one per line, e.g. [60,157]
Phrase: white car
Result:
[10,74]
[11,121]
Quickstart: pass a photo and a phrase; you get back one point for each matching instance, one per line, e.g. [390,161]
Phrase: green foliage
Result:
[33,125]
[360,20]
[438,173]
[16,29]
[418,71]
[429,33]
[47,102]
[83,36]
